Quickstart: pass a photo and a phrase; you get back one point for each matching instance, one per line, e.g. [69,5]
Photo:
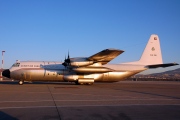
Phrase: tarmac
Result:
[125,100]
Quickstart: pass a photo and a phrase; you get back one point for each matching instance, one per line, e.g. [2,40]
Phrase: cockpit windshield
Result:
[16,65]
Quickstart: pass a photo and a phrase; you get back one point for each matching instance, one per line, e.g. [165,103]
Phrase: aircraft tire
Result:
[76,83]
[89,83]
[21,82]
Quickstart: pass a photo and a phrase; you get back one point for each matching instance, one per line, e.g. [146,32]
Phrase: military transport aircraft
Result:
[87,70]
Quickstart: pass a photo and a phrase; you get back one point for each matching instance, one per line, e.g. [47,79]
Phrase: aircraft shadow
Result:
[37,82]
[148,93]
[5,116]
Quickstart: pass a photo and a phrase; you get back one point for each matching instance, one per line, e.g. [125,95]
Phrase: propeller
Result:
[67,62]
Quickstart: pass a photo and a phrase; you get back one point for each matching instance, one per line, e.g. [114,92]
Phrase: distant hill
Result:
[171,74]
[176,71]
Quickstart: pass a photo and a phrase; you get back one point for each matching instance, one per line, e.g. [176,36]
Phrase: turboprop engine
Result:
[90,70]
[79,62]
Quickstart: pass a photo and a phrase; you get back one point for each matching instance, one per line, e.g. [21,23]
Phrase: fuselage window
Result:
[36,65]
[26,65]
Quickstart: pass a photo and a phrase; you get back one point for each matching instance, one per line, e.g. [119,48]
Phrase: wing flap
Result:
[105,56]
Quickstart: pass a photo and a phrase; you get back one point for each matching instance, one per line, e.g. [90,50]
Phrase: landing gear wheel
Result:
[76,83]
[21,82]
[89,83]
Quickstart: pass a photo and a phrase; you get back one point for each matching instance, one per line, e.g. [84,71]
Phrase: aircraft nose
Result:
[6,73]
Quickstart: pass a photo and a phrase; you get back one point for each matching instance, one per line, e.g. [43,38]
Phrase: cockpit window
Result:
[16,65]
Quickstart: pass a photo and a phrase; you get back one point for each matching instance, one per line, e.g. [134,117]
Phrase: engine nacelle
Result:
[91,70]
[79,62]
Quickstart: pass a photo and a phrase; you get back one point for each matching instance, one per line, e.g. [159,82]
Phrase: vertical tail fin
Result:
[152,52]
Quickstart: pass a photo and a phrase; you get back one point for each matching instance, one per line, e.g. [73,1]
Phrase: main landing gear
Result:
[77,83]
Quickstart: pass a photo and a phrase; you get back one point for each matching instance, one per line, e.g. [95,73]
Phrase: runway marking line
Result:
[90,100]
[65,106]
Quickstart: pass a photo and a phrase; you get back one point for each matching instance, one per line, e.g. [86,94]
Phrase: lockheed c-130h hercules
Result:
[87,70]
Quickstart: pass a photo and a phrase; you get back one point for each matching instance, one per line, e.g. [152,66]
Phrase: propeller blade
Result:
[68,54]
[67,61]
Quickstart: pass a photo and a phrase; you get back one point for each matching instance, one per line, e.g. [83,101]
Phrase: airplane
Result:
[87,70]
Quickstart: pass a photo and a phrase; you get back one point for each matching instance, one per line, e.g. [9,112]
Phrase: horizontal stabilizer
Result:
[162,65]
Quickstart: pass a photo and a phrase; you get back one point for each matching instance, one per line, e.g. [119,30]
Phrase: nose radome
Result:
[6,73]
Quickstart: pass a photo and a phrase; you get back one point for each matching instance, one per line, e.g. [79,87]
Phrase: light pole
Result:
[2,65]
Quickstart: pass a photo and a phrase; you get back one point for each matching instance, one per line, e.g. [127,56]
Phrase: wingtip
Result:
[115,49]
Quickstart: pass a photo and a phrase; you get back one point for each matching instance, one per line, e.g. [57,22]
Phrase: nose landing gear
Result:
[21,82]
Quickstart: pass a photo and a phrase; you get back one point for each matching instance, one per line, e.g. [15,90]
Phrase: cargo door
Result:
[23,76]
[49,72]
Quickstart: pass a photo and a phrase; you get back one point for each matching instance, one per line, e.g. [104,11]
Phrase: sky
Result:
[45,30]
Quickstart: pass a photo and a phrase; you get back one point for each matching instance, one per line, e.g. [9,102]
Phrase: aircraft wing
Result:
[162,65]
[105,56]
